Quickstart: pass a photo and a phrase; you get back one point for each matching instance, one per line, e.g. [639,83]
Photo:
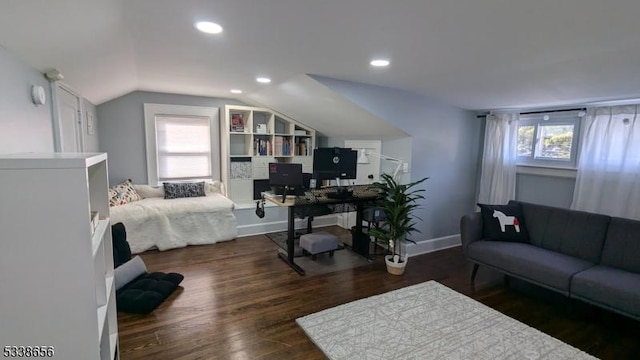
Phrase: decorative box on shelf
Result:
[261,129]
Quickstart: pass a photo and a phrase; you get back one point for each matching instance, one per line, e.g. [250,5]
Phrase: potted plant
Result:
[398,203]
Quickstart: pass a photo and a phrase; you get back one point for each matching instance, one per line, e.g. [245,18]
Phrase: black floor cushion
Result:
[147,292]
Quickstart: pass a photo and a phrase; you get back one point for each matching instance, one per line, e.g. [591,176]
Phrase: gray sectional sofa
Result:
[590,257]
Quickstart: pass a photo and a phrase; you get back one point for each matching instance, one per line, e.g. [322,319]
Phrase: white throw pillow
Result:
[148,191]
[215,187]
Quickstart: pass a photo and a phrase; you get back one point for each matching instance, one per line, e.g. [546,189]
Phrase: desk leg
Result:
[290,243]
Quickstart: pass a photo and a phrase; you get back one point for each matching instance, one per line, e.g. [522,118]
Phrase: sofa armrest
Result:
[470,229]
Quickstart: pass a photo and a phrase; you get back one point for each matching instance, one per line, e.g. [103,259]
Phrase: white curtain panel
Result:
[498,178]
[608,180]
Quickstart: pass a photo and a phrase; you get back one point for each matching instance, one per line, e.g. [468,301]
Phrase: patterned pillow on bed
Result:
[183,190]
[123,194]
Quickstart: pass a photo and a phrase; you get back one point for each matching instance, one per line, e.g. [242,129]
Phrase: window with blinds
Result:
[183,146]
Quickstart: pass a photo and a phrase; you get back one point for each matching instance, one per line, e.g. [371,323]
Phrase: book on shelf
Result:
[278,142]
[300,132]
[261,147]
[301,149]
[237,123]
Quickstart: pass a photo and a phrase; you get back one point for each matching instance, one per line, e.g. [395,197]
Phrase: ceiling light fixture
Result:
[236,91]
[208,27]
[379,62]
[264,80]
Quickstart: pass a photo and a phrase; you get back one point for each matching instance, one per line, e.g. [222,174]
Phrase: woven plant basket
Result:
[395,268]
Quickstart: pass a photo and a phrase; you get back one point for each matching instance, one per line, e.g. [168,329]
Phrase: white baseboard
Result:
[263,228]
[431,245]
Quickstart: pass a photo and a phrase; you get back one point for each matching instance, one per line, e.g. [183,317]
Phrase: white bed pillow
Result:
[215,187]
[148,191]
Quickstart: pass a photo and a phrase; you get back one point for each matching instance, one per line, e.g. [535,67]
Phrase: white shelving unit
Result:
[56,270]
[252,138]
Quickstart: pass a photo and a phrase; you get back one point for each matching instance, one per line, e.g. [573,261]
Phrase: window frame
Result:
[555,118]
[153,110]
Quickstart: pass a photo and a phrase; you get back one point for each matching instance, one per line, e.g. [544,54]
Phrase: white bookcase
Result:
[56,269]
[253,137]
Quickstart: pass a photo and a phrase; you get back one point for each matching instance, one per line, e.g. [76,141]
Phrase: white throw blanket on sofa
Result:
[174,223]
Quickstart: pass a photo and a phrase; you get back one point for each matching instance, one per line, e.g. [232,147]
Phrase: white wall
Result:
[24,127]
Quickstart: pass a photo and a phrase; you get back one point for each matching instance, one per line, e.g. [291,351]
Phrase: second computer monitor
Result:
[285,174]
[334,163]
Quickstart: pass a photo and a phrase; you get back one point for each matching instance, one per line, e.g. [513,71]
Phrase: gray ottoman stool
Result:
[319,242]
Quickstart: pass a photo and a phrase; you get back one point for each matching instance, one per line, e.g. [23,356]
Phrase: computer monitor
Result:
[334,163]
[285,177]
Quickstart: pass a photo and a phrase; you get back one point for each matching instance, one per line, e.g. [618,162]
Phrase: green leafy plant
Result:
[398,203]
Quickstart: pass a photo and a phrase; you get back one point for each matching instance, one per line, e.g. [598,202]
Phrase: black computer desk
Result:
[361,195]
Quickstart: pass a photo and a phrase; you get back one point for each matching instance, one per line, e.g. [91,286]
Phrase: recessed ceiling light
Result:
[236,91]
[379,62]
[264,80]
[208,27]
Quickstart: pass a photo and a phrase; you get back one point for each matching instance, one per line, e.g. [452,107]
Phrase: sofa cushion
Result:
[610,288]
[570,232]
[622,245]
[183,190]
[547,268]
[503,223]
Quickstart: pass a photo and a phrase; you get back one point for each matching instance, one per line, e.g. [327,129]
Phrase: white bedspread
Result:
[174,223]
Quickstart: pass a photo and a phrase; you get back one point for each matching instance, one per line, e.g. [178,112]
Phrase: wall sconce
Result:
[38,95]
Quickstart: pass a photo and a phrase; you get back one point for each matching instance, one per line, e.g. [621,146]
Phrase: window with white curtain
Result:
[183,147]
[182,143]
[608,180]
[549,139]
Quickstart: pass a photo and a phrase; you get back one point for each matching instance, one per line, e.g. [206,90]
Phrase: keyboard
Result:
[340,195]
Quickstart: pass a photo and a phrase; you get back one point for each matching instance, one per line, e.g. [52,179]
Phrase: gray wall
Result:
[24,127]
[445,147]
[545,190]
[121,130]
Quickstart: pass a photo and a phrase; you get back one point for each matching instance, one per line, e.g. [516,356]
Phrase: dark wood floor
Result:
[240,301]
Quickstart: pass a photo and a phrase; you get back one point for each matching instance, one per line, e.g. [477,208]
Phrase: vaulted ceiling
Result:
[474,54]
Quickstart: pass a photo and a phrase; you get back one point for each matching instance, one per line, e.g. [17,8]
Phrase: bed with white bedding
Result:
[155,222]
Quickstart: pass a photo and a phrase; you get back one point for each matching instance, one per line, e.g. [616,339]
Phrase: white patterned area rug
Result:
[428,321]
